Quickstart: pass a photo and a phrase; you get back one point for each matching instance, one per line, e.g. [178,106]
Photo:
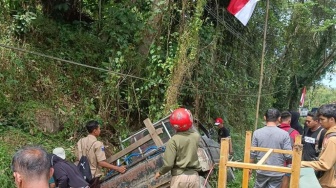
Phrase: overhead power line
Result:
[68,61]
[121,74]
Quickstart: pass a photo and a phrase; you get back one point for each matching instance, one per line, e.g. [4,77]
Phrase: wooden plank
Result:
[224,155]
[264,158]
[259,167]
[290,152]
[132,147]
[296,163]
[246,172]
[157,140]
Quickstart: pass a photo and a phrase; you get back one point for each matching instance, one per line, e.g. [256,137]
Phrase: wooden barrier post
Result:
[157,140]
[224,156]
[246,175]
[296,163]
[246,165]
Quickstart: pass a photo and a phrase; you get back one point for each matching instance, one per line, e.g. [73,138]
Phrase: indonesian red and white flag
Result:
[303,96]
[242,9]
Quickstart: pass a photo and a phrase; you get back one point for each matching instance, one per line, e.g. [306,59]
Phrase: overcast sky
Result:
[329,80]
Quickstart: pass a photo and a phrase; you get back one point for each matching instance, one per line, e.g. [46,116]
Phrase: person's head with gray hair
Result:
[272,115]
[31,166]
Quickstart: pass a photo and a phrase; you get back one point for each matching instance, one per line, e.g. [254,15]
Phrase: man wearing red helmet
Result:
[223,132]
[180,156]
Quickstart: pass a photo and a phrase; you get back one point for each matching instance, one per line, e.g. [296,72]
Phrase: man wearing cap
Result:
[223,132]
[60,152]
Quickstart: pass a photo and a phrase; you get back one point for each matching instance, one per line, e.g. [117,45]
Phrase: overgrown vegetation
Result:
[122,61]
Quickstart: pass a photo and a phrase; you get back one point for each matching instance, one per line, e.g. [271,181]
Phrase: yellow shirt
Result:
[95,151]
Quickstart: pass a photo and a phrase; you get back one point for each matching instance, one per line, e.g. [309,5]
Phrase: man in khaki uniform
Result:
[95,151]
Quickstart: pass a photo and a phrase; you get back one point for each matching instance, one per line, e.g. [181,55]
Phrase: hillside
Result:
[64,62]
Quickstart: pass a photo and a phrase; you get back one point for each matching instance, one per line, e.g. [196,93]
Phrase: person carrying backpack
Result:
[327,158]
[93,151]
[66,174]
[285,125]
[312,138]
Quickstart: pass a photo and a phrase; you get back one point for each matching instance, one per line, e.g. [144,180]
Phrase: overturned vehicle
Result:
[142,154]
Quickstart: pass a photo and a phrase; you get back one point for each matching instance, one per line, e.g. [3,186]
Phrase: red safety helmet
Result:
[181,119]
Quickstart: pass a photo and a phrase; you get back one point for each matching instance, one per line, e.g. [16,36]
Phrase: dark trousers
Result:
[95,183]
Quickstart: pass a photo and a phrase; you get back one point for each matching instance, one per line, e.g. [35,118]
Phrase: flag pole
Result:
[262,67]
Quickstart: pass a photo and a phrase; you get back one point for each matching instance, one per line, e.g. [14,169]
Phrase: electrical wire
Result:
[122,74]
[68,61]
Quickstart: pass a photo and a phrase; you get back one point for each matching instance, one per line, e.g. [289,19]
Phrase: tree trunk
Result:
[153,25]
[187,52]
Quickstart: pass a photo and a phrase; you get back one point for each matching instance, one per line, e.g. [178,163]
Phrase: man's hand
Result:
[121,169]
[157,175]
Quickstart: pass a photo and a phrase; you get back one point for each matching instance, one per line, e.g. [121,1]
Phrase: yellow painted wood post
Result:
[224,156]
[296,163]
[265,157]
[246,175]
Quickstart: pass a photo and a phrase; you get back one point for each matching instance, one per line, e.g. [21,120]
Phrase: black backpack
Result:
[84,166]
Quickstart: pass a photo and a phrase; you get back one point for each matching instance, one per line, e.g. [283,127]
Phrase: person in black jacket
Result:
[67,174]
[295,122]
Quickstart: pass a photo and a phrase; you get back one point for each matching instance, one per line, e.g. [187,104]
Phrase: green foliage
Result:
[124,26]
[136,45]
[5,161]
[22,22]
[319,95]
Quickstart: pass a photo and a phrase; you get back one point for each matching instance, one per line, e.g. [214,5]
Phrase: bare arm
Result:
[231,148]
[105,164]
[326,160]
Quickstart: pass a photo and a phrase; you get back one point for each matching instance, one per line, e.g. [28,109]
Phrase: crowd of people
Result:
[33,167]
[318,139]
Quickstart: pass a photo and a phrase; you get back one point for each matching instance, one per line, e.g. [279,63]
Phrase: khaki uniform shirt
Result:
[327,161]
[94,150]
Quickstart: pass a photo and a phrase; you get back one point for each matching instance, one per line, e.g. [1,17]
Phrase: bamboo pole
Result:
[262,67]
